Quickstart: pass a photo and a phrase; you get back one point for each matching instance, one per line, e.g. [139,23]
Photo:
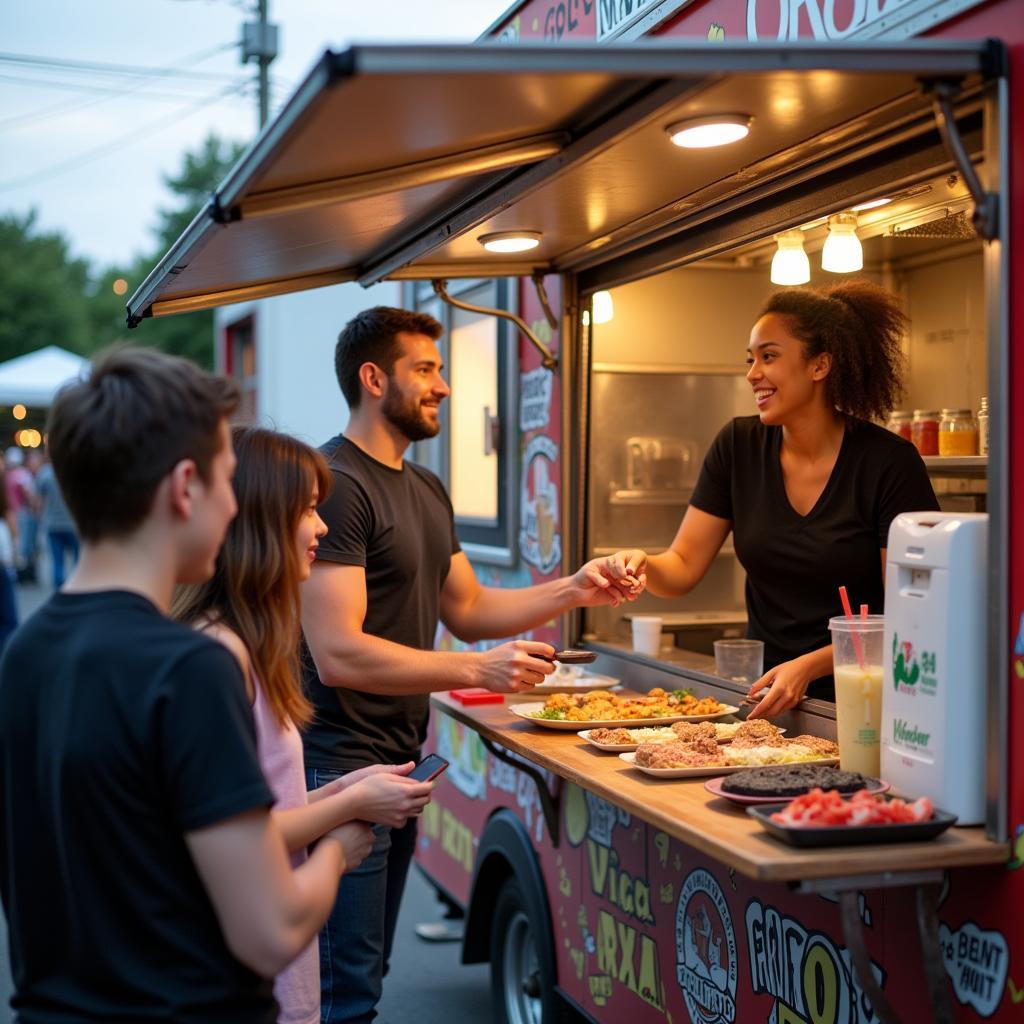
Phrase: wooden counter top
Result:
[685,810]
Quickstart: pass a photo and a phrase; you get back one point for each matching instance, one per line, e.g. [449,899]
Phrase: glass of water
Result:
[739,660]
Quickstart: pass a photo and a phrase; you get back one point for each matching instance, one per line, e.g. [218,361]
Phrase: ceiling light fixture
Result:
[603,307]
[705,132]
[790,264]
[842,253]
[510,241]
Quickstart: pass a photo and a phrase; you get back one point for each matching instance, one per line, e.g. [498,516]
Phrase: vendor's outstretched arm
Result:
[474,612]
[333,613]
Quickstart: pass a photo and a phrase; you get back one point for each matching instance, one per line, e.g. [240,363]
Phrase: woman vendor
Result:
[808,486]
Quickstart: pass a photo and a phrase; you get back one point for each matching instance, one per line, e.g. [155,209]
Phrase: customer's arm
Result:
[268,912]
[333,613]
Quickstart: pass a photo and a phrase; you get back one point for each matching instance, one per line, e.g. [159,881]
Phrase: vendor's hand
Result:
[596,586]
[351,778]
[627,569]
[788,683]
[519,665]
[385,798]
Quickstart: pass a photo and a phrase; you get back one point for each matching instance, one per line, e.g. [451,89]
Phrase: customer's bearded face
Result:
[415,389]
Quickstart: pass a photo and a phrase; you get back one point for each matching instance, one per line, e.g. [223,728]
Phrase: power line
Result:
[106,149]
[97,67]
[106,92]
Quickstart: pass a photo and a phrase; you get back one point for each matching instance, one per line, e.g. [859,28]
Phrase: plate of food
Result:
[620,740]
[775,783]
[823,818]
[563,681]
[703,758]
[612,710]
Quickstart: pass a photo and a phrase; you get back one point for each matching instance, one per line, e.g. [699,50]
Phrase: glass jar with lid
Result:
[899,422]
[958,432]
[924,431]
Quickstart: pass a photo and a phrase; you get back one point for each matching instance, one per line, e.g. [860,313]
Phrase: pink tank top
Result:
[297,987]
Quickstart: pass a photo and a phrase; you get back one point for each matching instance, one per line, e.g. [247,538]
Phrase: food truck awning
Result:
[393,161]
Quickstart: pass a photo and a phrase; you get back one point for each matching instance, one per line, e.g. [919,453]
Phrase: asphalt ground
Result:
[426,983]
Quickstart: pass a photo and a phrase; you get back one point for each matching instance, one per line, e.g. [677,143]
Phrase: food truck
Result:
[533,176]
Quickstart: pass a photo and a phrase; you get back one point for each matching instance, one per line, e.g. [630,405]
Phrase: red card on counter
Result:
[476,695]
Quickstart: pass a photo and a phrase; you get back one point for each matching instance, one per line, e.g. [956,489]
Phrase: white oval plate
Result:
[572,685]
[529,709]
[616,748]
[706,771]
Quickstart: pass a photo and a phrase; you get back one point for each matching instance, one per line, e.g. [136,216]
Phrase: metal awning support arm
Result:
[986,204]
[542,295]
[549,804]
[548,359]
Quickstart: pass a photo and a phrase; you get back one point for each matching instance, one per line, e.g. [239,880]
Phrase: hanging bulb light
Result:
[603,307]
[842,253]
[790,264]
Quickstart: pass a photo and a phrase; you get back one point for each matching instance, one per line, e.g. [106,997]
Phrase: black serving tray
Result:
[850,835]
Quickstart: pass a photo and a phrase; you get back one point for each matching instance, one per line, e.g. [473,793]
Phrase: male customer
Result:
[389,567]
[141,874]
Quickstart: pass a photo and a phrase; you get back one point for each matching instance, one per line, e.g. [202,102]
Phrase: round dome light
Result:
[790,264]
[706,132]
[510,241]
[842,253]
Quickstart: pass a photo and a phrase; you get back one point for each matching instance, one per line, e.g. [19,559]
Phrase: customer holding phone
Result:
[251,605]
[388,569]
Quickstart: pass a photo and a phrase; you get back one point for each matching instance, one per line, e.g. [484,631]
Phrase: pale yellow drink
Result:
[859,717]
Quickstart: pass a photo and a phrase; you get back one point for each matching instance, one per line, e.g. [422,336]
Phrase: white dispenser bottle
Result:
[935,664]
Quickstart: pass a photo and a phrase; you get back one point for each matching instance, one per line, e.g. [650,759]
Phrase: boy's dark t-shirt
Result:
[398,524]
[795,564]
[120,731]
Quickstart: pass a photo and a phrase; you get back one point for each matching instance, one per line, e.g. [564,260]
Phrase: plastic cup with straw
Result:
[857,665]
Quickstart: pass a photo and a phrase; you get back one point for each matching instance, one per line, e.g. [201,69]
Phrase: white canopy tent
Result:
[35,378]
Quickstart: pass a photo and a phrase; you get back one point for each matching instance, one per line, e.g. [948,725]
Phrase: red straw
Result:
[848,611]
[863,611]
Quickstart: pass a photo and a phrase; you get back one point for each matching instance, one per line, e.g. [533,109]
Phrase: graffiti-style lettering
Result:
[607,880]
[810,977]
[976,962]
[456,840]
[784,19]
[629,956]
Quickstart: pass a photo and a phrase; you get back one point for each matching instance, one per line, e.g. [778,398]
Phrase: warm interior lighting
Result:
[871,204]
[19,412]
[603,307]
[842,253]
[510,241]
[705,132]
[790,264]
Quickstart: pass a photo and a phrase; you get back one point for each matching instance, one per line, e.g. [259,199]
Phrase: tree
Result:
[44,296]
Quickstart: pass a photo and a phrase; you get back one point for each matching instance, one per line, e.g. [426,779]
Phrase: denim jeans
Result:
[355,945]
[62,544]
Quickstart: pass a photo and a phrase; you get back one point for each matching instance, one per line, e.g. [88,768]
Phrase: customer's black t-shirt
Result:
[398,524]
[795,564]
[120,731]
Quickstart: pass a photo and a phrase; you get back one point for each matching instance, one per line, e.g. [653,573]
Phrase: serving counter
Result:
[721,830]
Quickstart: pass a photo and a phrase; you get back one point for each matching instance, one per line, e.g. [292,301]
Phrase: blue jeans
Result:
[62,543]
[8,607]
[355,945]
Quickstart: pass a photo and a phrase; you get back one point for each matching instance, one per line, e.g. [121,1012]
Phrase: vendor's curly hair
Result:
[859,324]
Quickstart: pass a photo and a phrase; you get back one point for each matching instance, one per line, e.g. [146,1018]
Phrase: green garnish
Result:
[682,694]
[555,714]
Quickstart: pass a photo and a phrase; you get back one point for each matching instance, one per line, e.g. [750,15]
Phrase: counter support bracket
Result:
[548,803]
[927,886]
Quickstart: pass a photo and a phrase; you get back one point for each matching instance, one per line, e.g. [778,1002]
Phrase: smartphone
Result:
[429,768]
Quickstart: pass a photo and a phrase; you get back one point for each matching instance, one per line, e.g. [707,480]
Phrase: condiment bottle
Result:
[924,431]
[899,423]
[983,428]
[958,432]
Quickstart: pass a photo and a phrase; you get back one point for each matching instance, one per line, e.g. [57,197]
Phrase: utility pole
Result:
[259,43]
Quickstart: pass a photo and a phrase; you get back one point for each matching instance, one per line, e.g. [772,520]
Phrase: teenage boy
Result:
[389,567]
[141,875]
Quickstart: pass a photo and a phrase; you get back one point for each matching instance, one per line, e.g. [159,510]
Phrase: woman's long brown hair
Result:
[254,590]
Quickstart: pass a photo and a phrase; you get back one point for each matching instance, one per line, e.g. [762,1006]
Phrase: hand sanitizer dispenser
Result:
[935,664]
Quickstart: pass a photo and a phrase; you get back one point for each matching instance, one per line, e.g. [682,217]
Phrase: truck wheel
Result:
[522,977]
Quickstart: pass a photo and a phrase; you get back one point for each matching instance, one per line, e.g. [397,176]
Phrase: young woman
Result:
[252,606]
[808,486]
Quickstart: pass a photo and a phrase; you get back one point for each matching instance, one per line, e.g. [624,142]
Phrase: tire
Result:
[522,968]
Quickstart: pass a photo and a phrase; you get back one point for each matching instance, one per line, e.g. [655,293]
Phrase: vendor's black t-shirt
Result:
[120,731]
[795,564]
[398,524]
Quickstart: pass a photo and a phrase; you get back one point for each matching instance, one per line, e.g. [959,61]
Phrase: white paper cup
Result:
[647,634]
